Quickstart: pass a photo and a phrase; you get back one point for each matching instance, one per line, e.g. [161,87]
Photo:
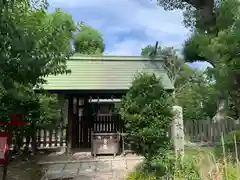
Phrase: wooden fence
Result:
[207,130]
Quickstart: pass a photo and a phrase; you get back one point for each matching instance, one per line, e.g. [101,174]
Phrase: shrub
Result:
[229,139]
[138,175]
[187,168]
[229,145]
[147,113]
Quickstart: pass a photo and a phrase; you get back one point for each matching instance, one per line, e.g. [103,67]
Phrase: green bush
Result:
[229,139]
[147,113]
[229,144]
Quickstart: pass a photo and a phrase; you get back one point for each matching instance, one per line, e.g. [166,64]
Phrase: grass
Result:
[210,166]
[201,163]
[203,156]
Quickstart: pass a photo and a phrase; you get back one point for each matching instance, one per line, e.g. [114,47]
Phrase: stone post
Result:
[177,130]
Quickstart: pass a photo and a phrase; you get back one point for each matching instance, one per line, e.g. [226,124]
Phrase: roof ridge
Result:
[113,58]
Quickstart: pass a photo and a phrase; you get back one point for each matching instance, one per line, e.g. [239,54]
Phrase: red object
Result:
[4,136]
[4,123]
[4,148]
[15,120]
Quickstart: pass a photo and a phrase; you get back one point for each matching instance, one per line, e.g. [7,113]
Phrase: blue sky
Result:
[128,25]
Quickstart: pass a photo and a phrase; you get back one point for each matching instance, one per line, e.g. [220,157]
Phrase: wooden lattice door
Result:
[84,124]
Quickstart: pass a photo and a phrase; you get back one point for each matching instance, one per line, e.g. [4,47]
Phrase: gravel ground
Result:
[23,170]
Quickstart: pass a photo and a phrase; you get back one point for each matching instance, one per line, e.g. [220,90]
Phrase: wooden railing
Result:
[51,138]
[46,138]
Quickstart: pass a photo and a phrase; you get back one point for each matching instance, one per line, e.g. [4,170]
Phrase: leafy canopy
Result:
[226,14]
[220,49]
[147,113]
[88,40]
[34,43]
[198,97]
[199,14]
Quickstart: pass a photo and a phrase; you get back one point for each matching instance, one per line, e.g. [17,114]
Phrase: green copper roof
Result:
[105,73]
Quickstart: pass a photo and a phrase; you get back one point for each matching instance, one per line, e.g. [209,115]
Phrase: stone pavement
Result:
[104,168]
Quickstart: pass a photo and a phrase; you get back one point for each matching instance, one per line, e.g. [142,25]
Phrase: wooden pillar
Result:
[76,125]
[90,122]
[85,122]
[69,125]
[74,118]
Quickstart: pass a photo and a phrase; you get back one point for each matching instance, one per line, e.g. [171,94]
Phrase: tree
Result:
[184,77]
[223,17]
[198,97]
[171,61]
[147,113]
[219,50]
[204,17]
[226,13]
[198,13]
[191,85]
[34,44]
[39,43]
[179,72]
[224,51]
[88,40]
[149,49]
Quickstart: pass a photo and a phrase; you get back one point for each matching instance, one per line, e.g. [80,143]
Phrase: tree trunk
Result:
[34,140]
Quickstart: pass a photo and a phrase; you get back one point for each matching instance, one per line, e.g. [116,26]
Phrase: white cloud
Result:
[128,25]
